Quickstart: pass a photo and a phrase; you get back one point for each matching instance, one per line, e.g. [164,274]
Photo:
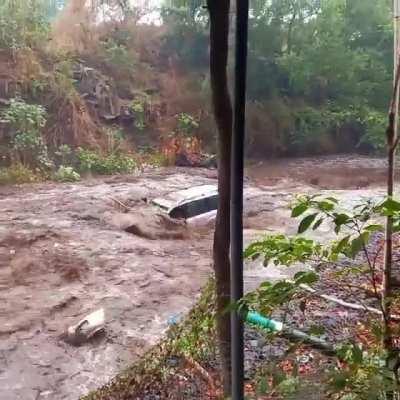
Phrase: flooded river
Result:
[63,254]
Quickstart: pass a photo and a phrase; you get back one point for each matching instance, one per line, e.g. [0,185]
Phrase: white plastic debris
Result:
[86,328]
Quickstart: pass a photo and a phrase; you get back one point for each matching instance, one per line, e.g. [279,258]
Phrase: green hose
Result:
[291,334]
[263,322]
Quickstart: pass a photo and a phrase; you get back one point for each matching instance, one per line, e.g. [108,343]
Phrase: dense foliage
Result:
[368,371]
[319,75]
[319,72]
[25,23]
[26,142]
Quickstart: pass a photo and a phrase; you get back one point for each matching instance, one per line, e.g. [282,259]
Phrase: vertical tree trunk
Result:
[219,31]
[290,29]
[387,272]
[392,141]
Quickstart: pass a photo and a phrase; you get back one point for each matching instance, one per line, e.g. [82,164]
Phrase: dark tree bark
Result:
[219,32]
[392,142]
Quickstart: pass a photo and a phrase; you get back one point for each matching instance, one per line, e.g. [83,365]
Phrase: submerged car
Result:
[189,203]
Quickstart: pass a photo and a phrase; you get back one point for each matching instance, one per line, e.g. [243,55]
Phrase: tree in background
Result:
[319,72]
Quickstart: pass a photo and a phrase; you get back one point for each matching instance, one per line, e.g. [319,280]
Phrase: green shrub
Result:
[116,54]
[157,159]
[186,124]
[137,107]
[87,159]
[367,371]
[65,154]
[27,121]
[23,23]
[66,174]
[17,173]
[375,123]
[25,117]
[114,163]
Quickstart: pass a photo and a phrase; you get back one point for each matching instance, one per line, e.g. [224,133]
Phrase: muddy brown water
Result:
[63,254]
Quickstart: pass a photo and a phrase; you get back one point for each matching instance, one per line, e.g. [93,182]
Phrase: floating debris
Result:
[84,330]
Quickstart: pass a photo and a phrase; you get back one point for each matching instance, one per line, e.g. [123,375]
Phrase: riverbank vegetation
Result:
[318,85]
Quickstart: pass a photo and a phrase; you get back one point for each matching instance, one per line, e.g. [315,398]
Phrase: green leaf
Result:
[252,251]
[341,219]
[374,228]
[356,246]
[396,228]
[342,244]
[325,206]
[289,386]
[265,285]
[282,285]
[317,224]
[299,209]
[333,200]
[358,243]
[391,205]
[306,223]
[306,277]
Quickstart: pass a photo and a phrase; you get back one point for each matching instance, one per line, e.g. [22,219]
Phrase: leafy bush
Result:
[375,123]
[367,372]
[27,121]
[117,54]
[65,154]
[156,159]
[186,124]
[87,159]
[138,110]
[25,117]
[287,128]
[66,174]
[115,163]
[17,173]
[23,23]
[364,376]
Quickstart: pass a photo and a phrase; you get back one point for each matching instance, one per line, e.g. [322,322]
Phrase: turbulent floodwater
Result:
[63,254]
